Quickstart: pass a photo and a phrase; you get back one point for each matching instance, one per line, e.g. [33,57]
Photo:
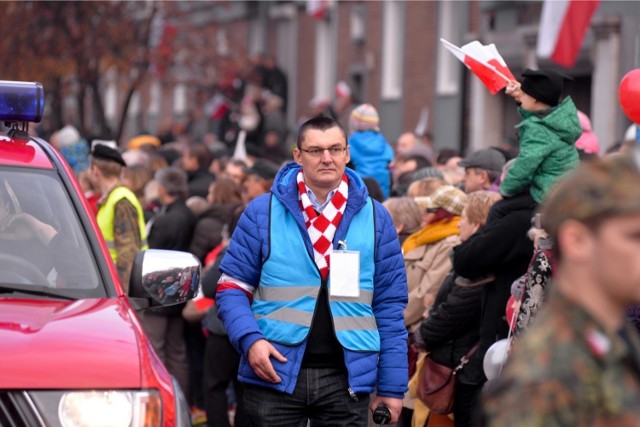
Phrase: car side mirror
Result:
[165,277]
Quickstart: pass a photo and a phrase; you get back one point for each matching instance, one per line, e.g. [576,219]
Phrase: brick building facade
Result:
[390,55]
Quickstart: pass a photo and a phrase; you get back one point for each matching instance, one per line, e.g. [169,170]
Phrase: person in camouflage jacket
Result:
[578,364]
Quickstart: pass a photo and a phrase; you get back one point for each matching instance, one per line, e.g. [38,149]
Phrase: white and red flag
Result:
[563,25]
[485,62]
[318,8]
[217,107]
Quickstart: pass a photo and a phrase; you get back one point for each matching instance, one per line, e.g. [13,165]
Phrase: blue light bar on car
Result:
[21,101]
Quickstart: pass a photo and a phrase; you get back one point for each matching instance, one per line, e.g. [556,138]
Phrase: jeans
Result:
[321,396]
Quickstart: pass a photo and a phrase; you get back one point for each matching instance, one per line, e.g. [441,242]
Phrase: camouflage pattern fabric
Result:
[567,370]
[126,237]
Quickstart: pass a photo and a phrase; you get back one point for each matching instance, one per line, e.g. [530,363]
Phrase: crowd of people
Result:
[340,264]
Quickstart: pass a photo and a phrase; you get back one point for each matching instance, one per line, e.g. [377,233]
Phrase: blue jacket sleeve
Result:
[242,261]
[244,257]
[389,300]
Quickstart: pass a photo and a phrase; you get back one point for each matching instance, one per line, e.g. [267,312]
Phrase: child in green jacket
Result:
[547,133]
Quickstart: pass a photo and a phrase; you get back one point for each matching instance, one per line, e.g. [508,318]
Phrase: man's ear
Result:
[297,156]
[576,241]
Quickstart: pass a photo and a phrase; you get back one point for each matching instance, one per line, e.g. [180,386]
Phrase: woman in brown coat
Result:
[426,252]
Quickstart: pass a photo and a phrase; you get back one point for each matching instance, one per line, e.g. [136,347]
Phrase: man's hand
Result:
[259,357]
[393,404]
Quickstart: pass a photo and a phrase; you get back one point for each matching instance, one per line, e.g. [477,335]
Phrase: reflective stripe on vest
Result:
[106,216]
[285,299]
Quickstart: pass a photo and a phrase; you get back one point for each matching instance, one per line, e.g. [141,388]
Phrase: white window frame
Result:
[111,101]
[448,66]
[134,105]
[155,98]
[392,31]
[325,60]
[257,36]
[180,99]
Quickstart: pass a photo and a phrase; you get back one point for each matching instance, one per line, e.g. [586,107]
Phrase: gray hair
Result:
[404,211]
[174,181]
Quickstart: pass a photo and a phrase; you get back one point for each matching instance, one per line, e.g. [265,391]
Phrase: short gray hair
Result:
[174,181]
[404,211]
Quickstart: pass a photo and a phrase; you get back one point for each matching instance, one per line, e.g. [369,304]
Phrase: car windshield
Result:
[42,242]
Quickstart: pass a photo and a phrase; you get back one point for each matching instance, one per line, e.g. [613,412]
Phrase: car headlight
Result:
[98,408]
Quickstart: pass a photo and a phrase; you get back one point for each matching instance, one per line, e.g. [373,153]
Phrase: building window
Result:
[180,99]
[222,42]
[155,95]
[357,23]
[134,105]
[325,59]
[111,101]
[392,31]
[448,65]
[257,36]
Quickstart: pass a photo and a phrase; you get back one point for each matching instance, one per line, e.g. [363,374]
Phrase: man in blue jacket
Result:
[316,341]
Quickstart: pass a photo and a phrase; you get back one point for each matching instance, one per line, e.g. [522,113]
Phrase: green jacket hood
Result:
[561,120]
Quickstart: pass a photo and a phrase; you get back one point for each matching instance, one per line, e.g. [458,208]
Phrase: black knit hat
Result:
[543,85]
[104,152]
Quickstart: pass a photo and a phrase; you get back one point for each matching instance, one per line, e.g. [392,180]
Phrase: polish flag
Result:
[563,25]
[485,62]
[318,8]
[217,107]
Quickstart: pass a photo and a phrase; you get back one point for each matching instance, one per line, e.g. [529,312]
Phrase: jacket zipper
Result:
[325,282]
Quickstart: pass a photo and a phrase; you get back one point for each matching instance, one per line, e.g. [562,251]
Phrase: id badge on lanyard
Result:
[344,272]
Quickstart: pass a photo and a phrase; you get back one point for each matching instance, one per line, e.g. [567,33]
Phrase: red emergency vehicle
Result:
[72,350]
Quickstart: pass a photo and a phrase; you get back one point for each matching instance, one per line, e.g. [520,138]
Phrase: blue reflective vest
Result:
[285,301]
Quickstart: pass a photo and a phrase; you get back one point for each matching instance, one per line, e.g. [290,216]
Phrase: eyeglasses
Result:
[318,152]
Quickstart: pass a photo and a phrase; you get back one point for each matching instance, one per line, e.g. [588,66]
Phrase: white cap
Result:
[67,136]
[111,143]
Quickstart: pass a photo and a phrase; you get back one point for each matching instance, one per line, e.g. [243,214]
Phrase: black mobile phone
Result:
[381,415]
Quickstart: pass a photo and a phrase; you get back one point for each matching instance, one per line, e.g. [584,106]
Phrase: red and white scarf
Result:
[322,227]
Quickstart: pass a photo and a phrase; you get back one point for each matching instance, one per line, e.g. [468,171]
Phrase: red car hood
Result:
[49,344]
